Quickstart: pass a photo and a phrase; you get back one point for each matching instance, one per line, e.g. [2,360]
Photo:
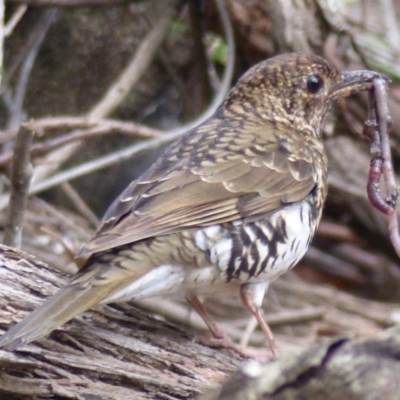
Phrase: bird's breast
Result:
[259,250]
[234,253]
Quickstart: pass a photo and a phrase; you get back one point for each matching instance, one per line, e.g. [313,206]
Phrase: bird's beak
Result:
[355,81]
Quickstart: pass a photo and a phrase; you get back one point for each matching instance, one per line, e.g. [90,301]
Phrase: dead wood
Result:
[366,368]
[119,353]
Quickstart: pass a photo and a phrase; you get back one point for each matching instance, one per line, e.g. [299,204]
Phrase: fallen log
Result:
[111,352]
[342,368]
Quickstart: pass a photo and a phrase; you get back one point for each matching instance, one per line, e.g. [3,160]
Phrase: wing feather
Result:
[193,189]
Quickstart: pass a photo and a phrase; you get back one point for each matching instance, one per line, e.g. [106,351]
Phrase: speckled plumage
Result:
[234,202]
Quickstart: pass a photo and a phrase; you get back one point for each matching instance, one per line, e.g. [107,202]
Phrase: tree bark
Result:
[366,368]
[112,352]
[119,352]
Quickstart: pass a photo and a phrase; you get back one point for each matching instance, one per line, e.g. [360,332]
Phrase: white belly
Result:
[254,252]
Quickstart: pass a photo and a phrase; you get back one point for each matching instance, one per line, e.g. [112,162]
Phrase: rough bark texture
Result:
[338,369]
[105,354]
[119,352]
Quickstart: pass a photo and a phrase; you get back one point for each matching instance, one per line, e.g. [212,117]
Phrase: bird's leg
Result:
[250,328]
[195,302]
[252,295]
[220,339]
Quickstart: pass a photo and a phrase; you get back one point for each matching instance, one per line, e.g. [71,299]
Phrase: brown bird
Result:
[231,205]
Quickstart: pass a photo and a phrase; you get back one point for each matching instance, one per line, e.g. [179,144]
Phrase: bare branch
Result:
[96,129]
[128,128]
[44,126]
[127,153]
[134,70]
[57,157]
[16,104]
[129,77]
[228,72]
[15,18]
[79,204]
[21,174]
[197,29]
[100,163]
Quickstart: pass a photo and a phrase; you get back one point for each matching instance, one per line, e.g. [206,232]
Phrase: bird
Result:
[227,208]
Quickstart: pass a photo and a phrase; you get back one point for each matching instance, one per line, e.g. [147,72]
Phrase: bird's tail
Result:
[68,302]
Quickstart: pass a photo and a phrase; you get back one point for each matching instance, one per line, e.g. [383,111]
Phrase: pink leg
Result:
[195,302]
[220,338]
[251,297]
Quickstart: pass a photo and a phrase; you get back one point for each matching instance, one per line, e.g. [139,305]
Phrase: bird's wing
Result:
[190,187]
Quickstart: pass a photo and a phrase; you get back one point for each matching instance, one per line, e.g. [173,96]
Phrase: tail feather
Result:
[57,310]
[99,281]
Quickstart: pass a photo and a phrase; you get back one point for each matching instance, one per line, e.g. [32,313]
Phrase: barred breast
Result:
[261,250]
[237,253]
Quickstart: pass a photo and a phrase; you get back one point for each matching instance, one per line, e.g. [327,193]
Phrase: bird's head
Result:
[294,89]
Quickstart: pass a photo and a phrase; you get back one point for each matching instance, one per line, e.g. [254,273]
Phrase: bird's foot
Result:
[226,342]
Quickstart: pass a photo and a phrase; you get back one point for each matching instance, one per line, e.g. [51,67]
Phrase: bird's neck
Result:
[280,118]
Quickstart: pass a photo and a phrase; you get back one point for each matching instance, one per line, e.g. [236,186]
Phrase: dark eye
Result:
[314,83]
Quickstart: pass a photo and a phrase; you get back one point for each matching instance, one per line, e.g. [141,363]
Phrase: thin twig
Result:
[15,18]
[99,130]
[226,78]
[21,52]
[79,204]
[128,128]
[130,76]
[63,218]
[103,127]
[59,238]
[196,24]
[100,163]
[335,231]
[16,113]
[250,328]
[44,126]
[134,149]
[296,316]
[21,174]
[135,68]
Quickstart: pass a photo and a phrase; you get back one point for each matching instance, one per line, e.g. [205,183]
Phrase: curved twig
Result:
[134,149]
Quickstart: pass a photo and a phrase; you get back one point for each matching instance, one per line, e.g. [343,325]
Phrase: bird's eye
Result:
[314,83]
